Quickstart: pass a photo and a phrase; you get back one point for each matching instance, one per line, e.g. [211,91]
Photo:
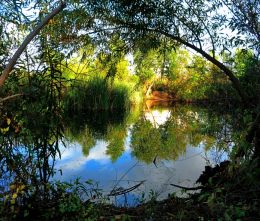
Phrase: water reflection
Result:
[30,135]
[157,146]
[160,146]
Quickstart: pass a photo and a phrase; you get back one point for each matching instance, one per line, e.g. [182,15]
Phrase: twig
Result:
[124,191]
[10,97]
[124,175]
[188,188]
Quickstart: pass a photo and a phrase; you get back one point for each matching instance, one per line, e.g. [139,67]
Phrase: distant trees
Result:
[207,27]
[204,26]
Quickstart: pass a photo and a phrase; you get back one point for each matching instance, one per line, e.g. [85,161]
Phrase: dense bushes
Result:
[247,69]
[189,77]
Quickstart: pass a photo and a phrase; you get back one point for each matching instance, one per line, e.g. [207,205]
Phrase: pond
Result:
[144,150]
[128,157]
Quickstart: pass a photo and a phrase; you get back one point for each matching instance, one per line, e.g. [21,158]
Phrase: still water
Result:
[156,147]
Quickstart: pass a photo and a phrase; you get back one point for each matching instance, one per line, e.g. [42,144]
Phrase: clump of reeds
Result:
[97,94]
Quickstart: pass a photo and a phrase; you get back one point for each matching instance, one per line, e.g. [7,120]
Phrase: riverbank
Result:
[230,193]
[227,192]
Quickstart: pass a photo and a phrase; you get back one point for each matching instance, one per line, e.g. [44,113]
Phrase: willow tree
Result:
[207,27]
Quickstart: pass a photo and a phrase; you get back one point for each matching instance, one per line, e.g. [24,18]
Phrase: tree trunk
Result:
[26,41]
[235,82]
[149,90]
[253,135]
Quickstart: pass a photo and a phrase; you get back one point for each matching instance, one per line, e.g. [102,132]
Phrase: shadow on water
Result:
[155,147]
[96,121]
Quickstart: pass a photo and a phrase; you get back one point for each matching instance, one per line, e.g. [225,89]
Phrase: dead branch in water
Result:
[122,191]
[188,188]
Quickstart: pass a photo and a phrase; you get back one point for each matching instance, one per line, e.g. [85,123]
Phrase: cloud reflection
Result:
[157,117]
[97,166]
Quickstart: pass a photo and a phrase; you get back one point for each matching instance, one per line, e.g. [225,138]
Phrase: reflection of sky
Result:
[127,171]
[157,117]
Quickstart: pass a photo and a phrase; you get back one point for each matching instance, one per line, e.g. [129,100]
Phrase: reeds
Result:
[97,94]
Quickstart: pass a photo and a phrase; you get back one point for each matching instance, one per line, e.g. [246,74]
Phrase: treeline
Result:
[92,80]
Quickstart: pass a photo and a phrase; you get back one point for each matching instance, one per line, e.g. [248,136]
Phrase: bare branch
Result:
[10,97]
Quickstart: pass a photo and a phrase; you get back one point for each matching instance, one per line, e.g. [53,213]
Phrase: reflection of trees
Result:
[186,126]
[96,121]
[86,139]
[29,143]
[145,141]
[116,137]
[167,141]
[108,126]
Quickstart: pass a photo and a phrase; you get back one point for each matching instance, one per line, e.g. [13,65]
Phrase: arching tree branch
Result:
[9,67]
[10,97]
[235,82]
[221,66]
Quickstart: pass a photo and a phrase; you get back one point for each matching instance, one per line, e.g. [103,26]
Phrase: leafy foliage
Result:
[78,64]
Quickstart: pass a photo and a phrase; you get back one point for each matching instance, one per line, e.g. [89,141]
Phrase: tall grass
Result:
[120,97]
[97,94]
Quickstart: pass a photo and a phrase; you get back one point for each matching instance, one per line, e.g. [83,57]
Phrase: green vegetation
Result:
[90,57]
[96,94]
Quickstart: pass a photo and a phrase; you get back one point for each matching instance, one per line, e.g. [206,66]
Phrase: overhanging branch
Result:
[212,59]
[26,41]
